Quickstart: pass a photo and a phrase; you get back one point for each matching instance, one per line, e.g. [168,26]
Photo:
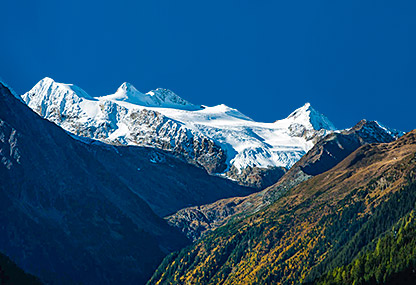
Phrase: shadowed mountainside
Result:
[64,217]
[74,210]
[10,273]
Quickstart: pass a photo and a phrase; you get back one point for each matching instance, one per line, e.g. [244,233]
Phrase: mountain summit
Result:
[306,115]
[47,88]
[160,97]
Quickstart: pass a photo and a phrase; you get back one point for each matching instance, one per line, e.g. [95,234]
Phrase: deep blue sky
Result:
[350,59]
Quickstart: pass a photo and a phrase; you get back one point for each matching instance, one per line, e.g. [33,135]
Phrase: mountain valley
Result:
[147,187]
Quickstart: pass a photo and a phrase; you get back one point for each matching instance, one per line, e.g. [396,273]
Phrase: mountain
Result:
[10,273]
[150,173]
[74,210]
[325,154]
[335,147]
[220,139]
[310,118]
[317,226]
[156,98]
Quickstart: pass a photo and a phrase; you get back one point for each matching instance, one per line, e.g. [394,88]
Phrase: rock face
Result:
[253,176]
[74,210]
[329,151]
[335,147]
[166,183]
[220,139]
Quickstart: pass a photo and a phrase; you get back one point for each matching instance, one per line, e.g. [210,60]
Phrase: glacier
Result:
[217,137]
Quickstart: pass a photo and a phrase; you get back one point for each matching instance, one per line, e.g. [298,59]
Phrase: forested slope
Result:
[317,226]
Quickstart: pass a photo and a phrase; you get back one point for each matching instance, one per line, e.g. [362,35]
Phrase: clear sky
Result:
[349,59]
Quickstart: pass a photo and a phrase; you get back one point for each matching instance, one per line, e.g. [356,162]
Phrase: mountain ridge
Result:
[219,138]
[317,120]
[159,97]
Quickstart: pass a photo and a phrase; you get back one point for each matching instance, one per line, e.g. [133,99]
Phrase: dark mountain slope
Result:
[165,182]
[64,217]
[326,153]
[315,227]
[10,273]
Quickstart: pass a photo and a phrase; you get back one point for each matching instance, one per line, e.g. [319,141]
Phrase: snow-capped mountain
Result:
[120,119]
[155,98]
[324,155]
[218,138]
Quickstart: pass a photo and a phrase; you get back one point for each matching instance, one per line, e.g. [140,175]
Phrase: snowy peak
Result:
[309,117]
[128,87]
[47,92]
[58,101]
[168,99]
[48,89]
[128,93]
[50,99]
[128,90]
[217,137]
[159,98]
